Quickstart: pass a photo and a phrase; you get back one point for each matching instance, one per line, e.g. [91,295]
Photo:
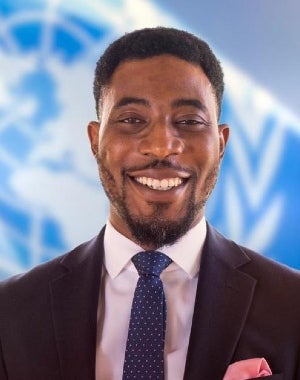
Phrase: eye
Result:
[131,120]
[130,124]
[190,122]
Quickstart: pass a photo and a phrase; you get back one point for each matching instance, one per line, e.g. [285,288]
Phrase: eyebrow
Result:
[189,102]
[175,104]
[131,100]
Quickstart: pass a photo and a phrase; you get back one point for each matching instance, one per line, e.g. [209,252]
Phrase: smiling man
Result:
[159,293]
[158,147]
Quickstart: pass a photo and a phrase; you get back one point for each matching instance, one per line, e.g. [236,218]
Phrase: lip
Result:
[152,195]
[160,174]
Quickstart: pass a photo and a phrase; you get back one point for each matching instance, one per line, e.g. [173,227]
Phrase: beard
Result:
[154,230]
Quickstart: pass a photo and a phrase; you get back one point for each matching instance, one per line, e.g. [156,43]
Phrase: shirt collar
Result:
[185,253]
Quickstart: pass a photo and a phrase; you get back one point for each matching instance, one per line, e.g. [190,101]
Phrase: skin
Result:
[158,120]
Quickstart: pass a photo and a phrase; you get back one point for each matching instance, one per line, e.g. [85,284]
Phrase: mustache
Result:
[158,164]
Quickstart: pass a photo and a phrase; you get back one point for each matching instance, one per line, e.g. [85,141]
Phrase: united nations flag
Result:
[49,194]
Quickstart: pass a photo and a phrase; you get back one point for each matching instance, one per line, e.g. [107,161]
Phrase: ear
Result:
[223,138]
[93,132]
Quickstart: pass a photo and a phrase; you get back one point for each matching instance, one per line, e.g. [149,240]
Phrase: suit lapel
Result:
[223,299]
[74,299]
[224,296]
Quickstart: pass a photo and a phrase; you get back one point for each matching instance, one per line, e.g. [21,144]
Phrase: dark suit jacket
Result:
[246,306]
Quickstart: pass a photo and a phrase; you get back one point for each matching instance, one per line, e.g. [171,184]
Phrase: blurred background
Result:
[50,195]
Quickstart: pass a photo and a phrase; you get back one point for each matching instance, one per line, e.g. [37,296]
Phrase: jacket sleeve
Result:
[3,372]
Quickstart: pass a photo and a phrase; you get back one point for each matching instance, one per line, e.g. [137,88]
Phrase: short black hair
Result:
[150,42]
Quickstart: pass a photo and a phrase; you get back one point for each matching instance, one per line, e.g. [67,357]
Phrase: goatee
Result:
[154,231]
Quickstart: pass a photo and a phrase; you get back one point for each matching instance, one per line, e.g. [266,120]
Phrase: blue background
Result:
[50,197]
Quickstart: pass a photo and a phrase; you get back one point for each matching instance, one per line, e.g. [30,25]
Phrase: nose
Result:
[161,141]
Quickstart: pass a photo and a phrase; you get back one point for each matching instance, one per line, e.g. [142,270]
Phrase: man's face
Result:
[158,148]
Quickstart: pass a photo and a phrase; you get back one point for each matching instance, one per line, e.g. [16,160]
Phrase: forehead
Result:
[161,77]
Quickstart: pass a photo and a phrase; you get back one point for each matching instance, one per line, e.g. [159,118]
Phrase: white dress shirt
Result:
[119,279]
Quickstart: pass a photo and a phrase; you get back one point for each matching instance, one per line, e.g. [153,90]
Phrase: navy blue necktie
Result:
[144,356]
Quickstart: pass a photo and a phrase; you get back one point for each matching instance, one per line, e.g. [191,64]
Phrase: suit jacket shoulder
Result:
[49,316]
[246,306]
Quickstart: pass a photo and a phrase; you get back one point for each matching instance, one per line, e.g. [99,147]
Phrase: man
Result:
[158,146]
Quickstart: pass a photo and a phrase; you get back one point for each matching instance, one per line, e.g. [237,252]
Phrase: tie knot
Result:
[150,262]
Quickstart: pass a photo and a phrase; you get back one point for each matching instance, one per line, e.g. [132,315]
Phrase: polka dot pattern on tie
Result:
[144,356]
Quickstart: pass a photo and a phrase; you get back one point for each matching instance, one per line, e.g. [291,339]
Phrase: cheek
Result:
[206,153]
[213,152]
[109,147]
[114,154]
[119,146]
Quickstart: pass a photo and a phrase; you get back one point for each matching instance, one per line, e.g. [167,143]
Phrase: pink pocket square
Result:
[247,369]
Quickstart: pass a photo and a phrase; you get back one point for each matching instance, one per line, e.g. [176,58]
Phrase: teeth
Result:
[156,184]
